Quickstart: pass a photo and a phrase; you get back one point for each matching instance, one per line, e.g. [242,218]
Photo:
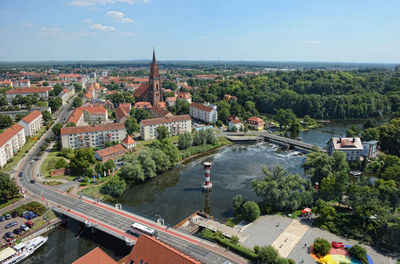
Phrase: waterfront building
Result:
[91,136]
[370,149]
[42,92]
[112,152]
[151,250]
[76,118]
[151,91]
[122,113]
[96,256]
[129,143]
[175,124]
[11,140]
[351,146]
[255,123]
[32,123]
[234,123]
[206,113]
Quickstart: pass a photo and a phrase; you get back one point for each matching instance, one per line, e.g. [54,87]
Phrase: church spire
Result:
[154,55]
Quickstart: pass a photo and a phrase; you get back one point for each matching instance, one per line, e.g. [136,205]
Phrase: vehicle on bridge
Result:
[144,229]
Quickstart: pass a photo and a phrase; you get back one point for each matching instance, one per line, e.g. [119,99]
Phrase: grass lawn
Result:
[25,148]
[48,165]
[93,192]
[2,205]
[50,215]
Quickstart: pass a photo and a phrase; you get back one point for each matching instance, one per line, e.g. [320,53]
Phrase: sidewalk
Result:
[15,205]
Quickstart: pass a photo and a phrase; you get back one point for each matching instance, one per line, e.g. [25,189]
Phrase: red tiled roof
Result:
[128,140]
[83,129]
[171,99]
[28,90]
[142,105]
[110,150]
[9,133]
[151,250]
[96,256]
[141,89]
[88,94]
[162,104]
[165,120]
[75,116]
[94,110]
[201,107]
[184,95]
[236,121]
[32,116]
[258,121]
[121,112]
[66,90]
[159,111]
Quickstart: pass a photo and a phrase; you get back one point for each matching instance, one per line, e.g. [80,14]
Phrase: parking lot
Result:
[20,221]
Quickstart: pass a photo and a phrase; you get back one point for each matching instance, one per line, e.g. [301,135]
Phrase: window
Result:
[141,261]
[131,262]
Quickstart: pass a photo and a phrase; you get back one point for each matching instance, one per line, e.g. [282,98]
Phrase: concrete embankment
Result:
[244,139]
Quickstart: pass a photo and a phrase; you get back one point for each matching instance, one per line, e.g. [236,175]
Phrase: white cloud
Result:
[93,3]
[50,30]
[311,42]
[202,37]
[128,34]
[87,20]
[100,27]
[26,24]
[119,17]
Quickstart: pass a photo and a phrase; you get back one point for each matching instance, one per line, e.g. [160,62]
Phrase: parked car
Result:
[24,213]
[32,181]
[76,178]
[24,227]
[2,218]
[14,214]
[8,216]
[17,231]
[30,216]
[14,223]
[9,235]
[29,224]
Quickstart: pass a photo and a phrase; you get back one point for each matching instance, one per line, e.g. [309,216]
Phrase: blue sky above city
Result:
[262,30]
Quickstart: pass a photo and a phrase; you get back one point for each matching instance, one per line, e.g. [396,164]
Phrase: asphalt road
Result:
[105,216]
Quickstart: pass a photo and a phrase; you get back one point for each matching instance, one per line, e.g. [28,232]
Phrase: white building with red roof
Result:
[122,113]
[351,146]
[235,123]
[205,113]
[11,140]
[171,101]
[112,152]
[32,123]
[255,123]
[175,124]
[40,91]
[24,83]
[129,143]
[76,118]
[91,136]
[94,114]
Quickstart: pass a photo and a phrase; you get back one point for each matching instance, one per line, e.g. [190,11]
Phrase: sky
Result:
[261,30]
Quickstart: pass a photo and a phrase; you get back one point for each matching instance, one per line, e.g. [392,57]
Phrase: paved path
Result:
[289,238]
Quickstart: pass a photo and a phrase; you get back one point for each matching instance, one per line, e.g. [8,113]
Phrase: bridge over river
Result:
[290,143]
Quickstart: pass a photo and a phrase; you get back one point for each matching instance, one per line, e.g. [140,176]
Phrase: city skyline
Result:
[77,30]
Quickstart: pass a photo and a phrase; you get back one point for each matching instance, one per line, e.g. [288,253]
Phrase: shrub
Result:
[251,211]
[358,253]
[321,247]
[35,207]
[234,240]
[268,254]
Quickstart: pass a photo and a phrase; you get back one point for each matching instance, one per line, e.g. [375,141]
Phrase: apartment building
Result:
[351,146]
[11,141]
[91,136]
[43,92]
[205,113]
[93,114]
[76,118]
[175,124]
[32,123]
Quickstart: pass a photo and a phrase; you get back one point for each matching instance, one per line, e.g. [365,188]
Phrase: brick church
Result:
[151,91]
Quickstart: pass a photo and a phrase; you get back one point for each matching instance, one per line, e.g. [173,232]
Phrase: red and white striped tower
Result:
[207,183]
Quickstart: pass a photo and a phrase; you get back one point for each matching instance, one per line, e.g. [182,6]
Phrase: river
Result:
[177,193]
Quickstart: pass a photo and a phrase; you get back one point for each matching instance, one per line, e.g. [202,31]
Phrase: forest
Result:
[319,94]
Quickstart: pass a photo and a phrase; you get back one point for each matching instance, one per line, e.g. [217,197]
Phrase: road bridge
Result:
[291,143]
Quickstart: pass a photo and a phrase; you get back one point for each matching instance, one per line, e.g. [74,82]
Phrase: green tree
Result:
[251,211]
[162,161]
[354,131]
[162,132]
[8,188]
[47,117]
[140,114]
[185,140]
[56,129]
[77,102]
[83,159]
[358,253]
[148,164]
[78,87]
[55,103]
[281,190]
[238,205]
[131,125]
[132,171]
[268,255]
[109,165]
[67,153]
[321,247]
[61,163]
[370,134]
[99,168]
[181,107]
[114,187]
[5,121]
[285,117]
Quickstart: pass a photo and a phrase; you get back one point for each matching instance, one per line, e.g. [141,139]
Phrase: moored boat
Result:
[19,252]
